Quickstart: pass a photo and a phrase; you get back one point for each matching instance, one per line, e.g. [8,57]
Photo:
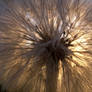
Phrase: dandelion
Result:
[46,45]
